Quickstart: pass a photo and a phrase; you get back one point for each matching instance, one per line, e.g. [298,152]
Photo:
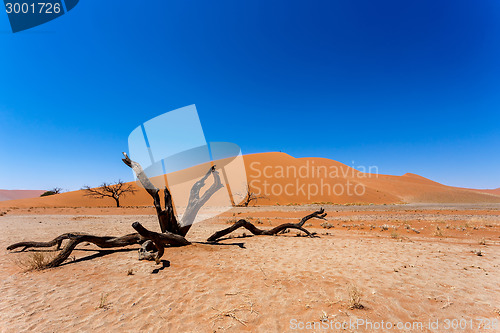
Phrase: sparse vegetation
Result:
[438,232]
[323,317]
[327,225]
[55,190]
[34,261]
[248,197]
[477,253]
[355,298]
[103,304]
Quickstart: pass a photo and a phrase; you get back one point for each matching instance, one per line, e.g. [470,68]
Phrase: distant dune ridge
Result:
[283,179]
[19,194]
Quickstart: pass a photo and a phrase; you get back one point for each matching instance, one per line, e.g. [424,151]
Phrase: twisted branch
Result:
[320,214]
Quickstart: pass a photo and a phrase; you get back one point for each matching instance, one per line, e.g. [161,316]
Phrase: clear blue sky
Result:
[409,86]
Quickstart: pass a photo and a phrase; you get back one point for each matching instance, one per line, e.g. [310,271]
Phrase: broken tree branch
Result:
[320,214]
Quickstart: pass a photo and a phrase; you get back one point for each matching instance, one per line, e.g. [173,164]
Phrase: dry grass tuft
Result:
[327,225]
[35,261]
[103,303]
[477,253]
[323,317]
[227,313]
[438,232]
[247,307]
[355,298]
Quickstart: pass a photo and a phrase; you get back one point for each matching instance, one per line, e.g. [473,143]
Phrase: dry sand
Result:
[260,284]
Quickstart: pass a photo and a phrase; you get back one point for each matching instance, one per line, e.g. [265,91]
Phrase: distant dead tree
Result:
[249,197]
[55,190]
[112,190]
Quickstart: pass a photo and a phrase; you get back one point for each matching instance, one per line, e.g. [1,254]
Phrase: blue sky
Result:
[408,86]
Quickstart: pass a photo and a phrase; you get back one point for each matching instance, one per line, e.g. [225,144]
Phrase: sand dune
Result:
[19,194]
[494,191]
[283,179]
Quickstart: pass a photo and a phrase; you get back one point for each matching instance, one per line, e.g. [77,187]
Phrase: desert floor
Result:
[410,264]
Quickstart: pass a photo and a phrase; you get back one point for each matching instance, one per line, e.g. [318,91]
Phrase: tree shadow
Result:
[99,254]
[164,264]
[240,245]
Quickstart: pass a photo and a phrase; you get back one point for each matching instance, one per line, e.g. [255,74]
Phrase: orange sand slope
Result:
[282,179]
[19,194]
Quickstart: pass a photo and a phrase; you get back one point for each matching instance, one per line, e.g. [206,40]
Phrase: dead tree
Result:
[320,214]
[249,197]
[152,243]
[112,190]
[173,231]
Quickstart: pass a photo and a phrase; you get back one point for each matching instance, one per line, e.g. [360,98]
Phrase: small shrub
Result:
[482,241]
[55,190]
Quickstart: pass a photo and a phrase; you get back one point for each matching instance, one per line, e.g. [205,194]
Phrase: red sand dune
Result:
[19,194]
[494,191]
[283,180]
